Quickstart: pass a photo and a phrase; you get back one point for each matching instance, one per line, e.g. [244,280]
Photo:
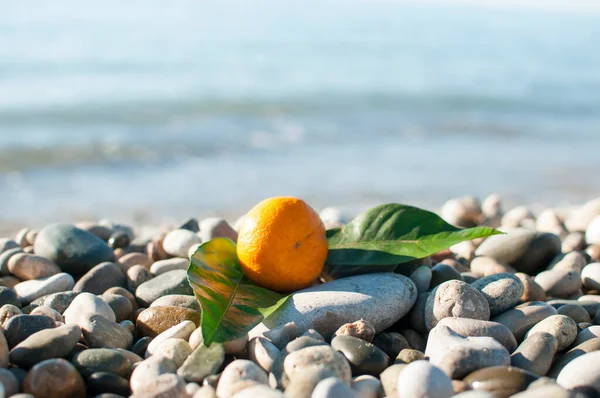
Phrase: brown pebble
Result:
[54,378]
[131,259]
[532,291]
[361,329]
[594,252]
[125,293]
[8,311]
[9,281]
[409,355]
[459,386]
[155,320]
[29,266]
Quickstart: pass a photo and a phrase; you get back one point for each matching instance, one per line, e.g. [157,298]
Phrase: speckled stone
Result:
[561,327]
[20,327]
[523,317]
[456,299]
[322,356]
[148,370]
[202,362]
[502,291]
[155,320]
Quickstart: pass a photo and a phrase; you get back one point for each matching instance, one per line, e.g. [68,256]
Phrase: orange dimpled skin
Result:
[282,245]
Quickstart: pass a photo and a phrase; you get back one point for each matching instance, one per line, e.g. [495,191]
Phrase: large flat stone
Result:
[380,298]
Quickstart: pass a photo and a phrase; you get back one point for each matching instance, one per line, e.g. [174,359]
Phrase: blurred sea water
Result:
[148,110]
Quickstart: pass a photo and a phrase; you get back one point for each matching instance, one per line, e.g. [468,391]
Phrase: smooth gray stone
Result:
[102,360]
[364,357]
[502,291]
[177,300]
[99,332]
[100,278]
[74,250]
[523,317]
[477,328]
[45,344]
[526,250]
[172,282]
[8,296]
[36,288]
[580,372]
[459,356]
[20,327]
[535,353]
[379,298]
[559,282]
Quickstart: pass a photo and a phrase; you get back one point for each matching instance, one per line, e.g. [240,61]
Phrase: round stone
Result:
[32,289]
[502,291]
[170,264]
[54,378]
[177,242]
[171,282]
[422,379]
[30,266]
[581,372]
[237,371]
[559,282]
[422,278]
[576,312]
[102,360]
[561,327]
[45,344]
[120,305]
[389,379]
[175,349]
[19,327]
[99,332]
[523,317]
[361,329]
[108,383]
[476,328]
[332,387]
[321,356]
[441,273]
[364,357]
[74,250]
[590,276]
[408,355]
[85,305]
[202,362]
[10,382]
[456,299]
[136,275]
[177,300]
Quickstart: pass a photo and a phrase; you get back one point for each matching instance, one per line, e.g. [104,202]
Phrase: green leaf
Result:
[231,303]
[392,234]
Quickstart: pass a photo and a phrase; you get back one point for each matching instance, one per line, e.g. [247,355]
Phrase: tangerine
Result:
[282,244]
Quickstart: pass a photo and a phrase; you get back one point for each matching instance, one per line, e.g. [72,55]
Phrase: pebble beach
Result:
[95,310]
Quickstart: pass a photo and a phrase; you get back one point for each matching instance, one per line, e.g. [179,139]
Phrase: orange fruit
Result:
[281,244]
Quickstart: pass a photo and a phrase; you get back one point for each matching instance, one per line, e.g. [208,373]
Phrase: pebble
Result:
[19,327]
[171,282]
[262,352]
[456,299]
[462,212]
[5,257]
[524,249]
[202,362]
[100,332]
[441,273]
[131,259]
[486,266]
[590,276]
[215,227]
[177,350]
[415,340]
[74,250]
[170,264]
[149,370]
[389,379]
[100,278]
[523,317]
[9,281]
[558,282]
[575,312]
[333,387]
[581,371]
[561,361]
[107,383]
[477,328]
[380,298]
[561,327]
[85,305]
[182,330]
[102,360]
[367,386]
[237,371]
[29,266]
[177,242]
[421,277]
[592,232]
[10,383]
[391,343]
[569,261]
[586,334]
[155,320]
[177,300]
[502,291]
[120,305]
[458,356]
[282,335]
[58,373]
[57,301]
[518,216]
[361,329]
[137,275]
[364,357]
[502,381]
[531,290]
[46,344]
[236,347]
[7,244]
[321,356]
[422,379]
[573,241]
[535,354]
[409,355]
[32,289]
[8,296]
[125,293]
[49,312]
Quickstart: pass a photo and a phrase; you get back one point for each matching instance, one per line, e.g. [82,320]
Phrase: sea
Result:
[144,111]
